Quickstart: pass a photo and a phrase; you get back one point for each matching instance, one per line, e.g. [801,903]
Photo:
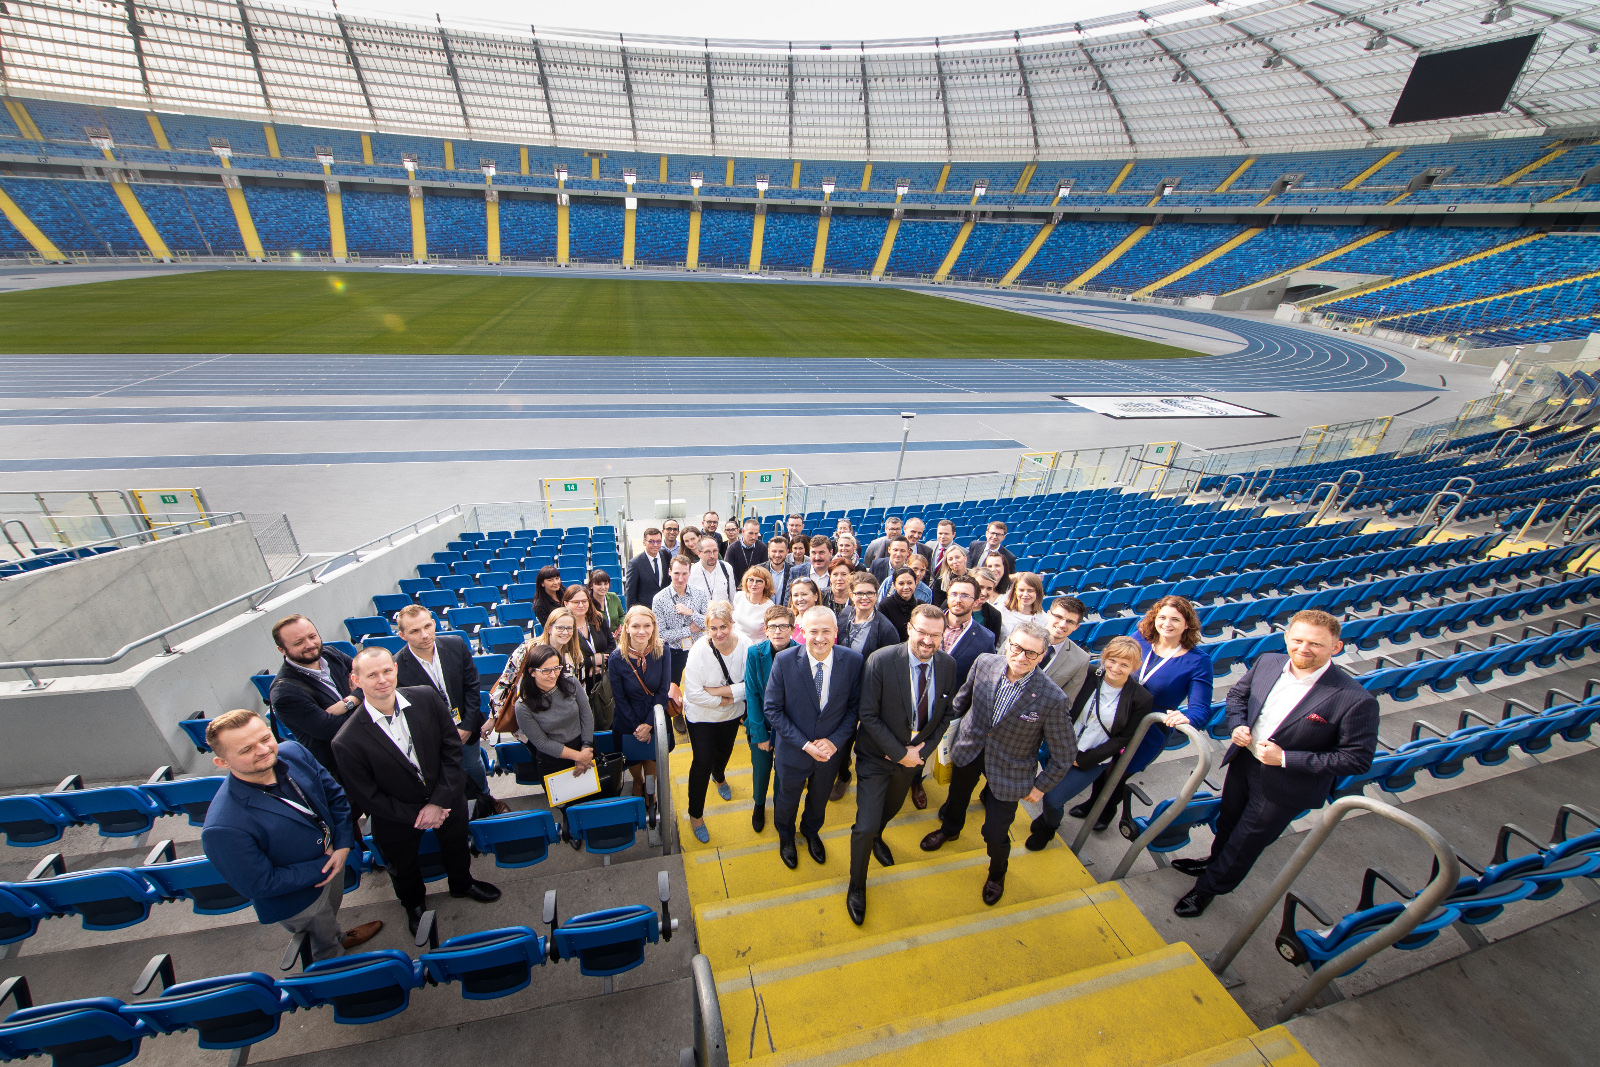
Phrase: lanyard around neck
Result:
[1146,672]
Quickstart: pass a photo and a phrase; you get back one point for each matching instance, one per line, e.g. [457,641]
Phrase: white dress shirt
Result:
[702,670]
[396,729]
[827,674]
[1095,726]
[1287,693]
[716,584]
[435,671]
[933,688]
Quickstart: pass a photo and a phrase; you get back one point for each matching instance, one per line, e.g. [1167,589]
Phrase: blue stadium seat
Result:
[514,757]
[517,839]
[32,820]
[117,810]
[105,898]
[609,942]
[19,914]
[372,626]
[226,1012]
[74,1033]
[488,964]
[386,604]
[1202,810]
[189,797]
[367,987]
[606,826]
[193,879]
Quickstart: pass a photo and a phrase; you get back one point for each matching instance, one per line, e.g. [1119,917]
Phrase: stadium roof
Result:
[1180,78]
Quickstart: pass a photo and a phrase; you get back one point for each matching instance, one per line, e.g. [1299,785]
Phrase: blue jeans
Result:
[1055,801]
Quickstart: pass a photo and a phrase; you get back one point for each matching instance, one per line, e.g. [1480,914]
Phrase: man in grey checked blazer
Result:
[1010,706]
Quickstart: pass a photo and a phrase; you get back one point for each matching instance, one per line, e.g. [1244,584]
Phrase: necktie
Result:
[818,680]
[1049,654]
[922,696]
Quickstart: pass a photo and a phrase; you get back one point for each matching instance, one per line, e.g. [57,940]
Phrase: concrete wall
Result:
[122,726]
[92,607]
[1267,295]
[1561,354]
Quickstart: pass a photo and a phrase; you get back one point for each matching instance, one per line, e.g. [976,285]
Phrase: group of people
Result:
[838,664]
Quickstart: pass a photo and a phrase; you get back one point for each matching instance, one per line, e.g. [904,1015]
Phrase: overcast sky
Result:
[742,19]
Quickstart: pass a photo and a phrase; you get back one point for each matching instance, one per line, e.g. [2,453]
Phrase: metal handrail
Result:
[1361,478]
[1421,906]
[1430,512]
[1118,769]
[209,519]
[256,597]
[1202,767]
[1333,498]
[710,1047]
[1567,514]
[666,820]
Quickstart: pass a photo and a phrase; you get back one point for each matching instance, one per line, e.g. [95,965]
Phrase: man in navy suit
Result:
[811,705]
[965,639]
[279,831]
[1299,722]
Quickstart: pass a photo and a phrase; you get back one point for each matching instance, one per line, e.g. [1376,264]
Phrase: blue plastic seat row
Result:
[116,811]
[1441,675]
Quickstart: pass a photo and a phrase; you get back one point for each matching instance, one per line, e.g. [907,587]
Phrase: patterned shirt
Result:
[676,630]
[1006,694]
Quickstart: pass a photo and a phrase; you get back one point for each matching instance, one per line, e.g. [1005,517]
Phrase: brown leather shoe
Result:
[362,934]
[993,891]
[839,788]
[919,796]
[935,841]
[501,807]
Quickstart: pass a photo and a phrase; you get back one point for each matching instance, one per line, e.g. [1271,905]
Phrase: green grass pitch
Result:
[362,312]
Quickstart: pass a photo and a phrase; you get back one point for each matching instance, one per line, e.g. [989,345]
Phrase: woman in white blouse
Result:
[713,703]
[750,604]
[1025,603]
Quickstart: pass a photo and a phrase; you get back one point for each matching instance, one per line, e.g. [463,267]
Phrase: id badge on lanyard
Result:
[307,811]
[1146,672]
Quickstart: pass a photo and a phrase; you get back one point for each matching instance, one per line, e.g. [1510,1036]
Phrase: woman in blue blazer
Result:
[641,677]
[1178,676]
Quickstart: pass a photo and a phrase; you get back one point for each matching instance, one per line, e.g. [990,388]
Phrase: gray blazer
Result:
[1068,668]
[1010,749]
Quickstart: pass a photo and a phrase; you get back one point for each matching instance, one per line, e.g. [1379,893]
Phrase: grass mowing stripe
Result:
[378,314]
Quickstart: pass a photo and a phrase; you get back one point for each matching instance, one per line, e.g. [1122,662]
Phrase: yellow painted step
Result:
[757,236]
[1509,294]
[881,264]
[34,236]
[1139,1012]
[1109,258]
[141,222]
[1027,254]
[1274,1047]
[1122,176]
[1517,175]
[796,1001]
[1025,178]
[1216,253]
[247,226]
[1355,183]
[1308,264]
[1227,183]
[819,251]
[1463,261]
[954,253]
[767,926]
[944,176]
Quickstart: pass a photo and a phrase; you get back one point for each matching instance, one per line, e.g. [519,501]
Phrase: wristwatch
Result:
[351,703]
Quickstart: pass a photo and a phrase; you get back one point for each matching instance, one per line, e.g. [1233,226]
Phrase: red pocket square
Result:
[1314,717]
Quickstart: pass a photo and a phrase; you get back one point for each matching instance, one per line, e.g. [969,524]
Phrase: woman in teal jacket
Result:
[757,669]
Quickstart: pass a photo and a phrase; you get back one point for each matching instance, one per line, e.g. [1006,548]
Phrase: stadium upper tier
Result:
[1184,77]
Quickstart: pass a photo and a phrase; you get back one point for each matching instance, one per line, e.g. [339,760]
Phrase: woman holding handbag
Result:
[714,704]
[641,677]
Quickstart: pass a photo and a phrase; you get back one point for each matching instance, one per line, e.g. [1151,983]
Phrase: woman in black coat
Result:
[900,601]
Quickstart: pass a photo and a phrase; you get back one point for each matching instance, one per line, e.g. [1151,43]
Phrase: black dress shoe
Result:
[814,846]
[1193,868]
[1105,818]
[787,853]
[758,818]
[1039,838]
[881,853]
[482,892]
[919,795]
[1080,811]
[413,917]
[855,902]
[935,841]
[1192,904]
[993,891]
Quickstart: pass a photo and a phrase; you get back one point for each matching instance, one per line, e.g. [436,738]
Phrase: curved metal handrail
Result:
[1503,441]
[1272,472]
[710,1047]
[1227,498]
[1582,455]
[1421,906]
[1202,767]
[1430,512]
[1512,451]
[666,820]
[1118,769]
[256,598]
[1428,447]
[1567,514]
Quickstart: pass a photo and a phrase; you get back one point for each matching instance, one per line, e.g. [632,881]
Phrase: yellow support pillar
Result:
[729,180]
[366,149]
[663,178]
[1025,179]
[866,178]
[881,264]
[819,255]
[449,156]
[157,131]
[241,215]
[522,154]
[1355,183]
[1216,253]
[491,209]
[944,176]
[563,219]
[758,233]
[272,141]
[629,222]
[419,229]
[794,176]
[692,259]
[1517,175]
[1109,258]
[35,236]
[141,221]
[341,250]
[594,168]
[1027,255]
[1227,183]
[25,125]
[956,246]
[1122,176]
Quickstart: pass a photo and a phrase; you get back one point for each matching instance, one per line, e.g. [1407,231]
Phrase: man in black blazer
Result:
[401,759]
[892,560]
[906,694]
[812,701]
[310,697]
[1299,722]
[749,551]
[445,662]
[649,572]
[993,543]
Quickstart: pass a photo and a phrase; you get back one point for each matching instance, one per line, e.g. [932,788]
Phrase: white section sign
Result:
[1175,406]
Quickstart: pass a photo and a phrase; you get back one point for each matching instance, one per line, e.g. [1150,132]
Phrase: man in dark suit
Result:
[906,704]
[279,831]
[885,565]
[992,544]
[311,694]
[1010,707]
[965,639]
[400,757]
[811,704]
[914,530]
[1298,723]
[784,569]
[445,662]
[748,551]
[879,546]
[648,572]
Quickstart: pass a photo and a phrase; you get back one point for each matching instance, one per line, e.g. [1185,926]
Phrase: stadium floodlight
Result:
[696,180]
[905,421]
[902,186]
[1499,14]
[629,177]
[561,172]
[324,155]
[763,183]
[1380,41]
[487,166]
[980,187]
[409,161]
[220,146]
[828,186]
[1273,62]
